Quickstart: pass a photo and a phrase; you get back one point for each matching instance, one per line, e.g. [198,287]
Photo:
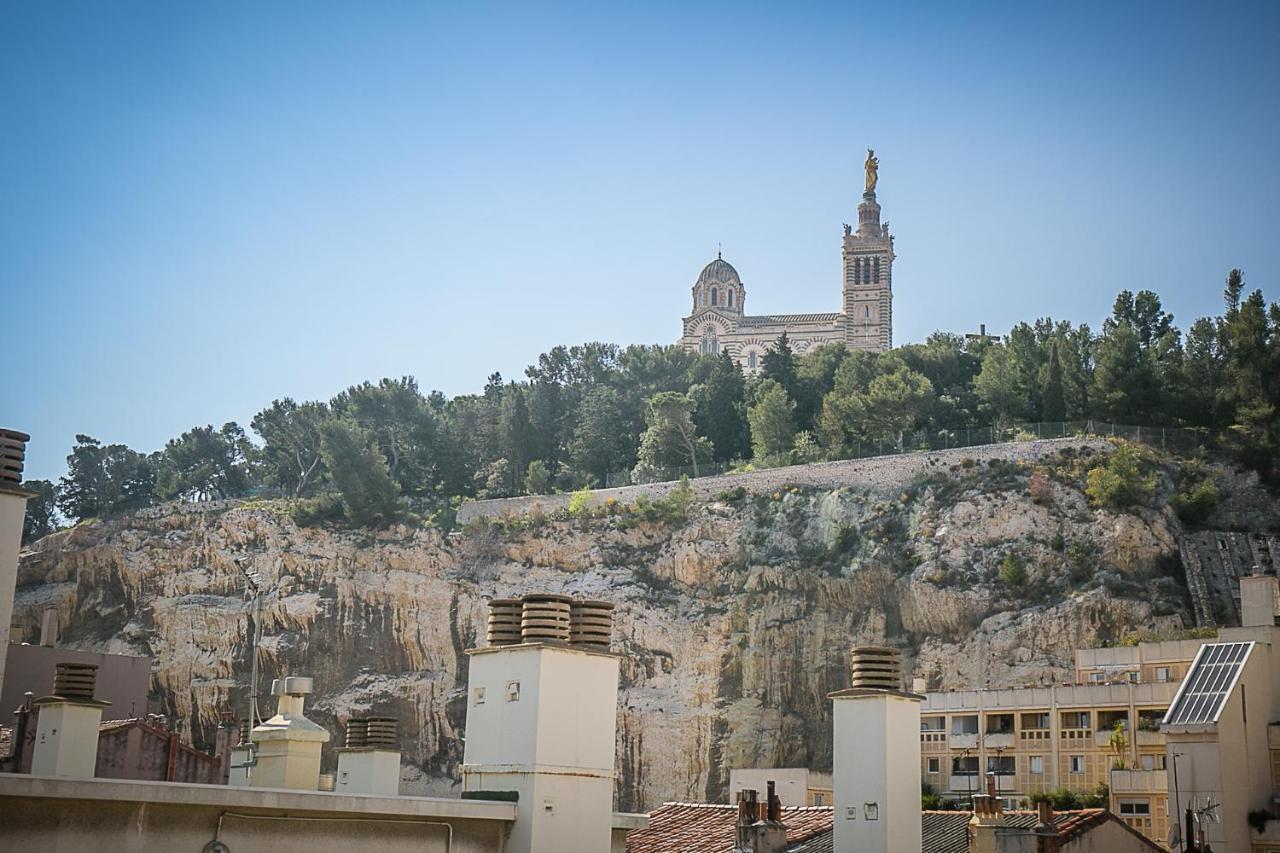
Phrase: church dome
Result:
[719,271]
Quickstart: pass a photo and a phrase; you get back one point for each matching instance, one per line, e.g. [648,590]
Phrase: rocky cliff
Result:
[733,623]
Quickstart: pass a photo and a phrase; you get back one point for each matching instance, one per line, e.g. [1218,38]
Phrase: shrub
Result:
[580,503]
[733,495]
[310,512]
[1058,543]
[1196,503]
[537,479]
[1012,572]
[1122,482]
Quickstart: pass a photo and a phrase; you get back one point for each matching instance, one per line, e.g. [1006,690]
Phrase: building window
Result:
[819,800]
[933,724]
[875,273]
[1162,674]
[715,296]
[966,725]
[479,695]
[964,766]
[1036,764]
[1135,808]
[1077,764]
[513,691]
[1160,761]
[728,296]
[1096,677]
[1075,720]
[1001,765]
[1035,721]
[1148,762]
[935,765]
[751,359]
[866,311]
[1133,678]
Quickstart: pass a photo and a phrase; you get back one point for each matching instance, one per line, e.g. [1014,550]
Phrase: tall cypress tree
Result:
[1055,402]
[779,364]
[721,414]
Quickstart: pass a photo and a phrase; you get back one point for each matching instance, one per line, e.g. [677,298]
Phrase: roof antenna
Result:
[718,255]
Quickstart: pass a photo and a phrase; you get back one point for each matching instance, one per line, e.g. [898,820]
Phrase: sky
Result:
[205,207]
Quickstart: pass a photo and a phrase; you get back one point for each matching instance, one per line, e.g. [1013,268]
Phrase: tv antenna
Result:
[254,582]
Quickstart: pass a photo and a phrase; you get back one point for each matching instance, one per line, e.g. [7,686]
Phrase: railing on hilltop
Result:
[1181,439]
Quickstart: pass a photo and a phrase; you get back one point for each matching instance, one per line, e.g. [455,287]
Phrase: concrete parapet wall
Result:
[879,473]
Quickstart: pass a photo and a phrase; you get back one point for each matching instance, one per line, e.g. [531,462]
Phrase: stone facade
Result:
[865,319]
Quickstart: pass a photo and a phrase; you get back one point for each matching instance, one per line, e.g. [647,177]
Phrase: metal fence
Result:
[1180,439]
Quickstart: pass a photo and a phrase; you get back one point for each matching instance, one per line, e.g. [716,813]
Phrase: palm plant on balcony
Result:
[1118,742]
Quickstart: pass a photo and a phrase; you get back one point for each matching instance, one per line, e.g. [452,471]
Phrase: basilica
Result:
[865,319]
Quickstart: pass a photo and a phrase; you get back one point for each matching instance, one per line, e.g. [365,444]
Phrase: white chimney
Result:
[876,773]
[13,509]
[288,744]
[67,729]
[541,721]
[369,762]
[1258,601]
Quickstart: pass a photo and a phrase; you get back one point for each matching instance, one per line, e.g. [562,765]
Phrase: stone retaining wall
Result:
[879,473]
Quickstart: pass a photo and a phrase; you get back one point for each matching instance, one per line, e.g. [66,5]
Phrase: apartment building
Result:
[1104,730]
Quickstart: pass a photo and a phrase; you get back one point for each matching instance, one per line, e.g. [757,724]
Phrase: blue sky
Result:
[204,207]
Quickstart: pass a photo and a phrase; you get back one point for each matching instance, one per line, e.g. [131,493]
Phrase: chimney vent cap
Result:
[293,685]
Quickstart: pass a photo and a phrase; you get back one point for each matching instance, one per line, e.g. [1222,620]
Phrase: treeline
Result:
[378,452]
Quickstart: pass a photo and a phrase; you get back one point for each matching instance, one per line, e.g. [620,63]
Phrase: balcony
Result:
[998,740]
[1147,738]
[964,740]
[1139,782]
[966,784]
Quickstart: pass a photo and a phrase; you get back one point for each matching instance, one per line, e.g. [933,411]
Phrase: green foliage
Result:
[1125,481]
[671,439]
[311,512]
[537,479]
[205,464]
[580,503]
[369,493]
[1013,573]
[721,409]
[290,456]
[1064,799]
[1058,542]
[929,799]
[103,480]
[42,511]
[1195,501]
[772,425]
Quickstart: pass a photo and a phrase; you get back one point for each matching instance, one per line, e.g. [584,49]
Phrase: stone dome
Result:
[719,271]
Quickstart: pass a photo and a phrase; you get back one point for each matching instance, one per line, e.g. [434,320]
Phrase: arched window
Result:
[875,274]
[866,311]
[729,298]
[751,360]
[715,296]
[704,297]
[709,343]
[857,270]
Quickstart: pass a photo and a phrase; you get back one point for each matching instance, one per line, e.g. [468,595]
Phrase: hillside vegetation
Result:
[381,453]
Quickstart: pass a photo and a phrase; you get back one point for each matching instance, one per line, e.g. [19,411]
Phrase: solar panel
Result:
[1205,690]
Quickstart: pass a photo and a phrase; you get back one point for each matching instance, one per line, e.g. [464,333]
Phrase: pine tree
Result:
[772,425]
[721,411]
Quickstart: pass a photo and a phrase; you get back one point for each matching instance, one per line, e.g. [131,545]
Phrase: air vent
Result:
[381,733]
[591,625]
[876,667]
[357,732]
[504,621]
[75,681]
[13,448]
[545,619]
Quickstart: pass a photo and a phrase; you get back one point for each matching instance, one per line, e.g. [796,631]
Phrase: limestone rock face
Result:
[734,626]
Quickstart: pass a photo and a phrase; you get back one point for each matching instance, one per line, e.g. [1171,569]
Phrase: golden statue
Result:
[872,166]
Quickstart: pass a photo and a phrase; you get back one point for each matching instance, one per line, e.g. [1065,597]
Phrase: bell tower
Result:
[868,272]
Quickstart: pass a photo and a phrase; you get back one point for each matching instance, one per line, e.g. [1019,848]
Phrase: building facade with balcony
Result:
[1038,739]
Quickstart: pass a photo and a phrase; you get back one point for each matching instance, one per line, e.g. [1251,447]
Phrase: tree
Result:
[1123,482]
[601,444]
[895,401]
[1054,398]
[999,386]
[720,413]
[205,464]
[671,440]
[360,473]
[290,455]
[397,418]
[516,434]
[42,511]
[537,479]
[104,479]
[772,424]
[779,364]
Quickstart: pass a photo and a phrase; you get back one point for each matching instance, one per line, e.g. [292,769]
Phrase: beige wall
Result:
[123,680]
[62,816]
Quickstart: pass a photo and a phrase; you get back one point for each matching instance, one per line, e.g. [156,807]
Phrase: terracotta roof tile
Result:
[700,828]
[709,828]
